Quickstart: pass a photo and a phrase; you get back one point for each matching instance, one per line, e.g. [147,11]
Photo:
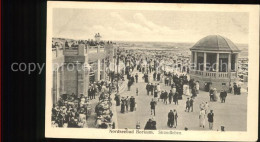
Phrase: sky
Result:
[149,25]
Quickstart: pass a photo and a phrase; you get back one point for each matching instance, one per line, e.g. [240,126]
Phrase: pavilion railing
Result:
[214,74]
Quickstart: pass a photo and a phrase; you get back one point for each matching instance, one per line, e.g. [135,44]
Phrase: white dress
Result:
[158,88]
[202,117]
[186,90]
[197,86]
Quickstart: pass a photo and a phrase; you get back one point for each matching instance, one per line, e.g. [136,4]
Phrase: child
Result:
[136,91]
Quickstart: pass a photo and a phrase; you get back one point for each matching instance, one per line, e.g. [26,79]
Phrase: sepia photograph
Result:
[151,71]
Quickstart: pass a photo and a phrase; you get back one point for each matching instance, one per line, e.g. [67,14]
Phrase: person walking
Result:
[170,97]
[122,105]
[136,78]
[152,104]
[152,88]
[235,89]
[117,99]
[170,119]
[211,119]
[129,84]
[147,88]
[223,95]
[165,97]
[191,104]
[175,98]
[187,105]
[154,76]
[202,117]
[211,94]
[215,97]
[175,116]
[127,103]
[156,95]
[197,87]
[132,103]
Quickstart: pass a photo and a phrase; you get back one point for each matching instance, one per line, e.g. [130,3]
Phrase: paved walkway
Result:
[232,114]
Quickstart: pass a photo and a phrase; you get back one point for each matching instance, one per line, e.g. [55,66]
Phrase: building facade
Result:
[75,68]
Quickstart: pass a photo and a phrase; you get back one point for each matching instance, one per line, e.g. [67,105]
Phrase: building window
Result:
[224,84]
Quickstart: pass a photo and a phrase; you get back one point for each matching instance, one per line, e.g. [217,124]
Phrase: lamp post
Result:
[117,63]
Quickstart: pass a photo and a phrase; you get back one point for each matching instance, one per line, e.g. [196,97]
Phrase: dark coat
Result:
[210,117]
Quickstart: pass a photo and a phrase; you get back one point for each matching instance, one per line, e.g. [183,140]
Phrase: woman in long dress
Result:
[186,90]
[158,88]
[202,117]
[215,95]
[197,87]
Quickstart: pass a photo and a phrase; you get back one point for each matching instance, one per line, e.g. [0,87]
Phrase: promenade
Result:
[231,114]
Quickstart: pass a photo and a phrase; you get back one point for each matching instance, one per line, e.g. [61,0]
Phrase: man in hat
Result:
[223,95]
[191,104]
[211,94]
[175,98]
[152,88]
[211,119]
[154,76]
[147,88]
[170,119]
[187,105]
[136,78]
[123,105]
[152,104]
[132,103]
[170,96]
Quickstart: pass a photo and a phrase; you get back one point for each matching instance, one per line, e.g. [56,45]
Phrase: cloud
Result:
[137,26]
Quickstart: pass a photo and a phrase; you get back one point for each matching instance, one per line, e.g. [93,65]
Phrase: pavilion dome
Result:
[215,43]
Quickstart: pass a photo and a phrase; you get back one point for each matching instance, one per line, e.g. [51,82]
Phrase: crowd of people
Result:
[179,85]
[71,111]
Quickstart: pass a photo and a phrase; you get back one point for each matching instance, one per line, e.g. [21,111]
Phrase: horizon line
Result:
[141,41]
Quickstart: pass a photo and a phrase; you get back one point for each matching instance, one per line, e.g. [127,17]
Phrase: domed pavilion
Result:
[214,60]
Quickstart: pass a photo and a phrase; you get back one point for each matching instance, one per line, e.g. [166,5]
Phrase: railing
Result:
[57,52]
[223,75]
[210,74]
[199,72]
[214,74]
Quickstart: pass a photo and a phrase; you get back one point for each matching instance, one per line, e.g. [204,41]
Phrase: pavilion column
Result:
[217,63]
[205,63]
[236,64]
[229,65]
[195,60]
[229,62]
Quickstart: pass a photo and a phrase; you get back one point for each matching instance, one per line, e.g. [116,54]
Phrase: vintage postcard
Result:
[149,71]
